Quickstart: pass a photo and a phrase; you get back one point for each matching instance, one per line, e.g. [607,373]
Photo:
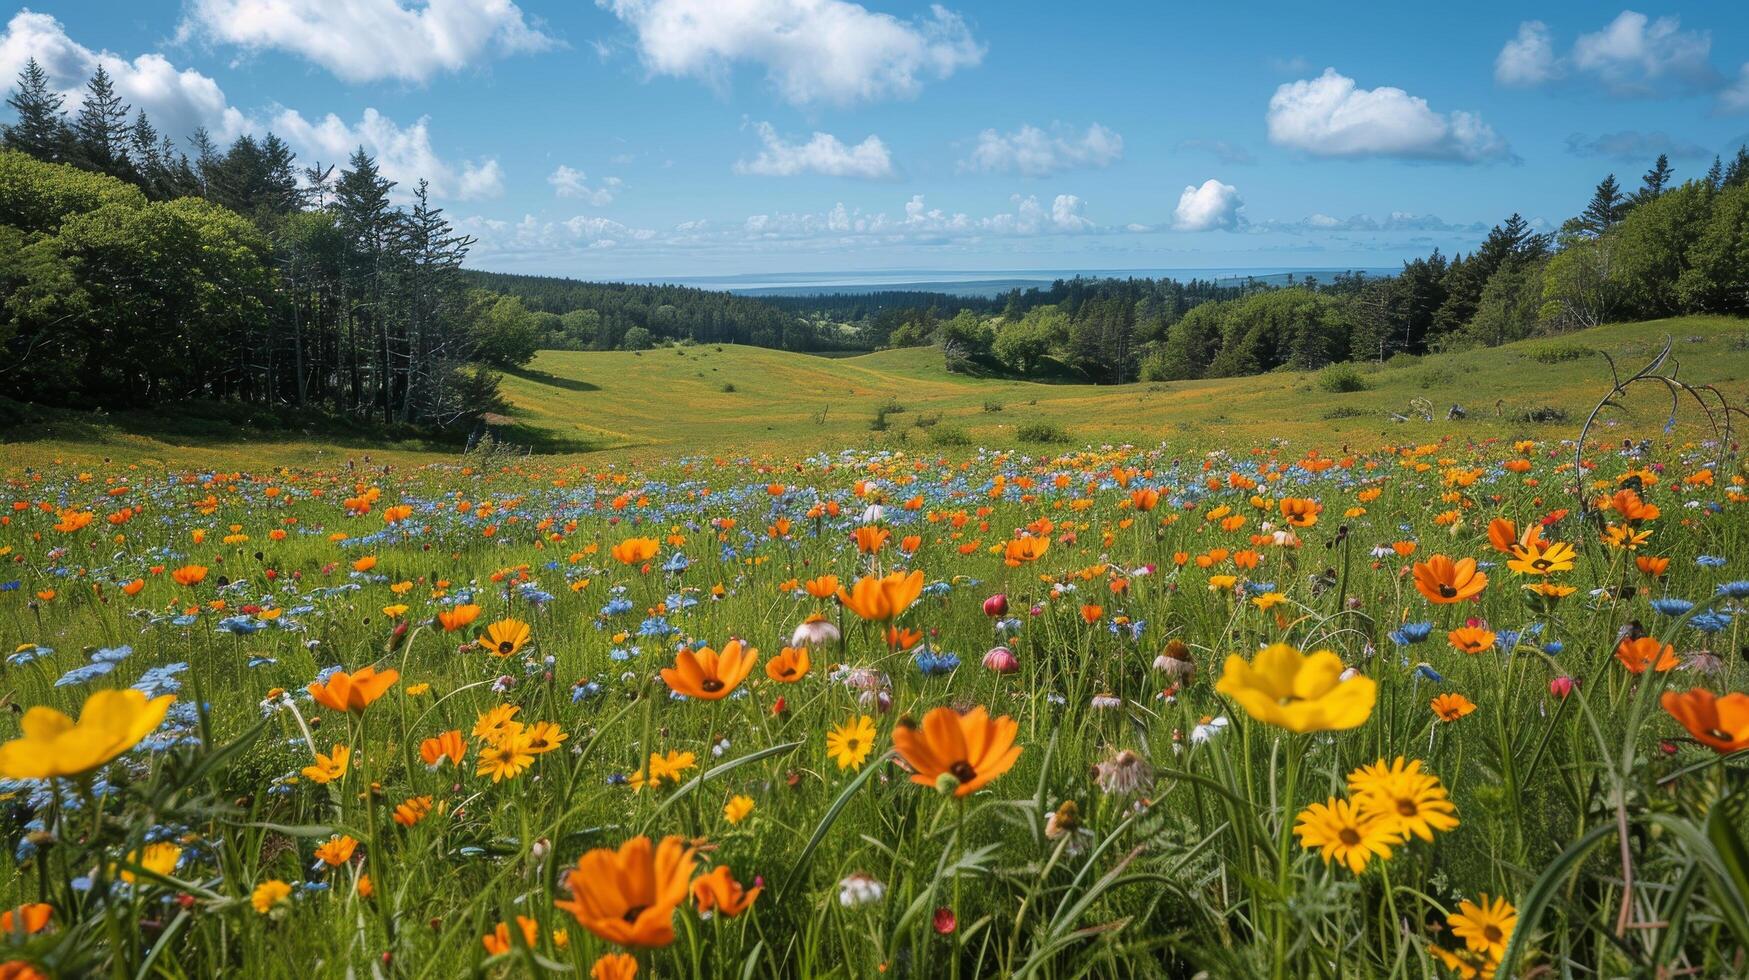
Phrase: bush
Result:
[1041,432]
[1346,412]
[1540,413]
[1341,379]
[948,435]
[1556,353]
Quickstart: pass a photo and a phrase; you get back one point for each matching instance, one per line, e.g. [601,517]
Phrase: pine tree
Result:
[1656,178]
[1605,208]
[101,128]
[41,129]
[1715,174]
[1738,171]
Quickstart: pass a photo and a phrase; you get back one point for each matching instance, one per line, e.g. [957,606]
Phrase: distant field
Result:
[743,400]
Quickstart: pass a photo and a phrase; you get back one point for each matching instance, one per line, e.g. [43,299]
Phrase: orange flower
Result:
[789,666]
[1092,614]
[1470,639]
[635,551]
[497,942]
[708,675]
[412,810]
[899,638]
[505,637]
[1632,509]
[1025,549]
[881,599]
[1444,581]
[719,891]
[823,587]
[33,918]
[1504,536]
[629,896]
[353,692]
[1300,512]
[337,851]
[1637,655]
[134,587]
[365,564]
[189,575]
[20,970]
[972,748]
[870,538]
[1653,567]
[614,966]
[457,617]
[1451,707]
[1720,722]
[447,747]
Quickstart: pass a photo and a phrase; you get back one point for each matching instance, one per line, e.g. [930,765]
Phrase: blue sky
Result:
[646,138]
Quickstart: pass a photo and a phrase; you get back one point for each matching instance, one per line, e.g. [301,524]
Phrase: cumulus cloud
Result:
[1633,56]
[1028,216]
[1032,152]
[403,153]
[1633,145]
[567,182]
[1331,116]
[824,154]
[177,100]
[1528,59]
[812,51]
[532,236]
[368,40]
[1212,206]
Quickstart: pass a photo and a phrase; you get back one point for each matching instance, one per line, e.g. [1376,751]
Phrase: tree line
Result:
[133,274]
[1663,249]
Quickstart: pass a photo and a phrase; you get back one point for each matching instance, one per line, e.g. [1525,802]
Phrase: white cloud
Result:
[403,153]
[1635,55]
[1330,116]
[1032,152]
[367,40]
[813,51]
[1634,146]
[824,154]
[1028,217]
[176,100]
[1397,221]
[567,182]
[534,236]
[1528,59]
[1212,206]
[1735,97]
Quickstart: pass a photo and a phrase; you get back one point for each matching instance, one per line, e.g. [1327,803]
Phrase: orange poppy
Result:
[355,691]
[1300,511]
[718,891]
[823,587]
[870,538]
[972,748]
[189,575]
[614,966]
[1470,639]
[1025,549]
[882,598]
[708,675]
[1444,581]
[1719,722]
[497,942]
[1636,655]
[457,617]
[1504,536]
[447,747]
[1451,707]
[788,666]
[34,918]
[1648,565]
[629,896]
[635,551]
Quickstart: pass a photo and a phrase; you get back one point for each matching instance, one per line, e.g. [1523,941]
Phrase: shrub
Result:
[1341,379]
[1041,432]
[1346,412]
[1556,353]
[948,435]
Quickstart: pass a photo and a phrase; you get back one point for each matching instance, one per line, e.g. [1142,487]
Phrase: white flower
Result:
[1208,729]
[814,633]
[874,514]
[860,889]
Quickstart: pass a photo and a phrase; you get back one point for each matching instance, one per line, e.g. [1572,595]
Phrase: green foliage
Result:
[1341,379]
[1041,432]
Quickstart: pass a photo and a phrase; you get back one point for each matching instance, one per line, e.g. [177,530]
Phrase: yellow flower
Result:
[1338,830]
[1407,800]
[328,767]
[111,723]
[159,858]
[1541,559]
[1298,692]
[1269,600]
[395,611]
[850,743]
[337,850]
[1484,927]
[505,758]
[269,895]
[738,809]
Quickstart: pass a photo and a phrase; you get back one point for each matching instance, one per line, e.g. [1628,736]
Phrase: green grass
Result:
[658,404]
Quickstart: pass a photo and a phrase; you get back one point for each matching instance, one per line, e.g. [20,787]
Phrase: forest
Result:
[135,274]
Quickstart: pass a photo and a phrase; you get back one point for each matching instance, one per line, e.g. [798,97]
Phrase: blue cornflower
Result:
[1671,606]
[1709,561]
[1735,590]
[1711,621]
[931,663]
[1411,633]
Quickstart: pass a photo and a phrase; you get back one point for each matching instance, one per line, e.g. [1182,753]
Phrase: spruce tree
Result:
[1656,178]
[101,127]
[41,129]
[1605,208]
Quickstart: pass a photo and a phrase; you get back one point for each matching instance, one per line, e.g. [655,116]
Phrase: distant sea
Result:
[985,283]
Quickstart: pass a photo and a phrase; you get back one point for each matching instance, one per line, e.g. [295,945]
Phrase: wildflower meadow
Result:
[1460,708]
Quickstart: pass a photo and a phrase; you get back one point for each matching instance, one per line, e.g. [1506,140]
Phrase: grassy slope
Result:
[674,401]
[669,402]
